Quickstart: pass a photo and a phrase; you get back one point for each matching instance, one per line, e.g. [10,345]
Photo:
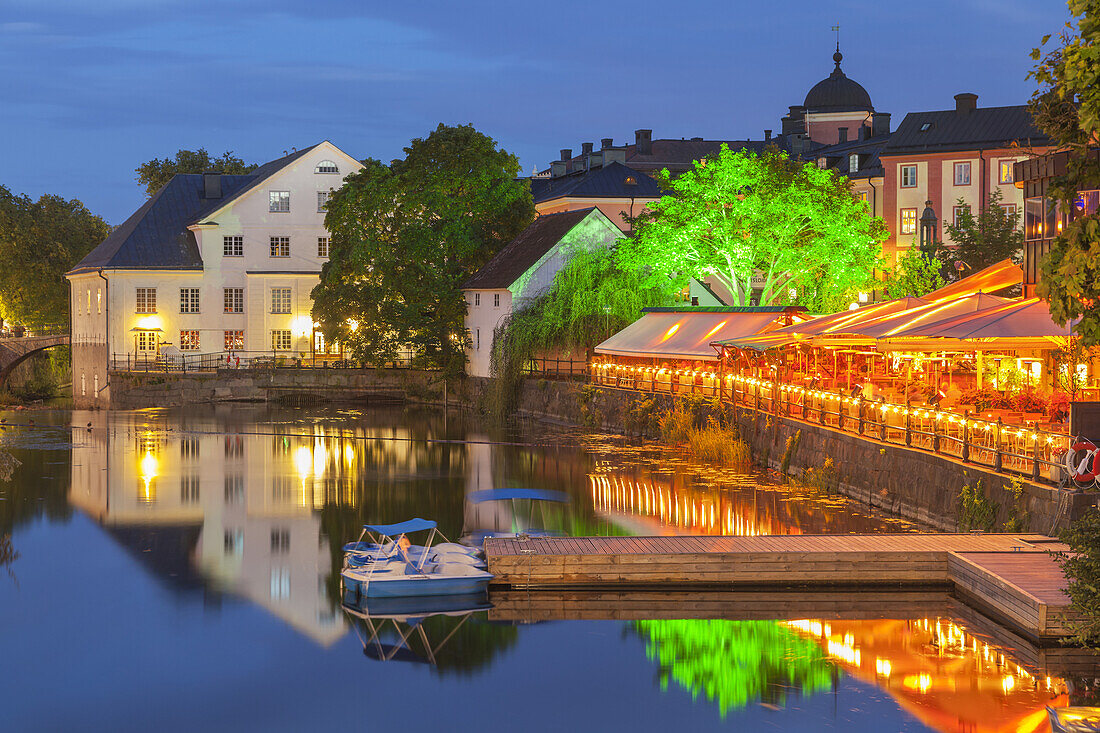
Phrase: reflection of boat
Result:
[406,616]
[1074,720]
[387,566]
[487,515]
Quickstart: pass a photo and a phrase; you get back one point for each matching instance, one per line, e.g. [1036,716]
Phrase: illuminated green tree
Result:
[736,215]
[1066,107]
[405,236]
[734,663]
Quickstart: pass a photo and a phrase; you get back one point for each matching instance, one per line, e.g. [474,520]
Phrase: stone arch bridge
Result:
[15,350]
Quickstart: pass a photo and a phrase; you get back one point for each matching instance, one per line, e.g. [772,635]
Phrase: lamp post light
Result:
[927,229]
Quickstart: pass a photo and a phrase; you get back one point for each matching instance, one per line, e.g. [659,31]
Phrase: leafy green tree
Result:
[736,215]
[1066,106]
[1082,568]
[914,275]
[405,236]
[39,242]
[988,238]
[152,174]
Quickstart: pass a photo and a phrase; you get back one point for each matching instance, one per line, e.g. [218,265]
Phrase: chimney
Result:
[767,135]
[606,142]
[567,153]
[643,142]
[880,124]
[211,186]
[965,103]
[586,148]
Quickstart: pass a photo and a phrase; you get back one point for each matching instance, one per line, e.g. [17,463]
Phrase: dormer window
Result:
[822,163]
[926,127]
[630,181]
[326,166]
[853,163]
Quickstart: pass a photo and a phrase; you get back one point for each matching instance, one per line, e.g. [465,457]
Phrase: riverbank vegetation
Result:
[702,429]
[1082,568]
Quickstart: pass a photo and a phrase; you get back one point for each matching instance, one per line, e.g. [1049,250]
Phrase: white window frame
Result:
[189,300]
[326,167]
[278,202]
[496,300]
[909,168]
[959,168]
[323,247]
[233,339]
[147,342]
[477,299]
[281,339]
[282,300]
[280,247]
[853,163]
[323,198]
[189,339]
[233,246]
[145,300]
[233,300]
[1006,165]
[901,222]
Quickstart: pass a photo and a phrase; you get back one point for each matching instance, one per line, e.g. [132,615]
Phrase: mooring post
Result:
[882,419]
[859,415]
[908,423]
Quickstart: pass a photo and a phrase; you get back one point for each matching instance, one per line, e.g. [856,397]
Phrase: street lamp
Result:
[927,229]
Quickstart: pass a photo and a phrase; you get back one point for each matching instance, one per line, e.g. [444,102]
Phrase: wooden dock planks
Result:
[1010,576]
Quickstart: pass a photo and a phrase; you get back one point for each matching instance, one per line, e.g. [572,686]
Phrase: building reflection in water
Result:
[247,507]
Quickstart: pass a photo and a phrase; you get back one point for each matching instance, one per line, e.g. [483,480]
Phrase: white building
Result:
[524,270]
[209,264]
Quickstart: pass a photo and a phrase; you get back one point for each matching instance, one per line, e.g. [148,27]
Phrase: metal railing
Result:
[52,329]
[556,368]
[184,362]
[1031,451]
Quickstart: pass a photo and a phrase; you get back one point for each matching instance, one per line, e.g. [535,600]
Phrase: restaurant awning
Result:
[1013,320]
[687,333]
[996,277]
[894,324]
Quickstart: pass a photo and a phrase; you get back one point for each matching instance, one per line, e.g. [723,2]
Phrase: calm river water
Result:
[178,571]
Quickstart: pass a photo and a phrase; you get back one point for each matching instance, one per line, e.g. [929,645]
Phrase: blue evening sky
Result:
[92,88]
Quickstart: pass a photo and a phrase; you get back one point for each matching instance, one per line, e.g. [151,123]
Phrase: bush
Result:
[676,425]
[1081,566]
[825,478]
[974,510]
[1017,521]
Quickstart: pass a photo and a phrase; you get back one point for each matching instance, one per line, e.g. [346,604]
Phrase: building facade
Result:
[951,160]
[220,265]
[524,270]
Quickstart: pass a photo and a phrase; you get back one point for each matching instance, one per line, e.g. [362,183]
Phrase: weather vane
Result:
[836,29]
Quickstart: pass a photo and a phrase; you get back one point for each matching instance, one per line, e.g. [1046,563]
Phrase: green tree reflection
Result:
[735,663]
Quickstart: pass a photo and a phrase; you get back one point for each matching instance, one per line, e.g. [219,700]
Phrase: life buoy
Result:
[1083,461]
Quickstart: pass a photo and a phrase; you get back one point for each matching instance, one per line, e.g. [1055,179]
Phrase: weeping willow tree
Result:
[735,663]
[590,299]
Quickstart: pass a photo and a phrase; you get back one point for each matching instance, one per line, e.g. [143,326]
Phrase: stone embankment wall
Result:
[906,482]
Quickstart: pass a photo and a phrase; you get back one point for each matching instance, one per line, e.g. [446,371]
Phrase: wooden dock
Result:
[1011,578]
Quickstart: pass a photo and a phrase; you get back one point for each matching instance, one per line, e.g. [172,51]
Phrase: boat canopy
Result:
[412,525]
[477,497]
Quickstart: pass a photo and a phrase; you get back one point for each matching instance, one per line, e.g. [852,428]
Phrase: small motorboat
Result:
[389,625]
[382,563]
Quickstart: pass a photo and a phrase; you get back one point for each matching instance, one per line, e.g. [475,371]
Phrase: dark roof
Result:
[837,93]
[609,181]
[680,155]
[525,250]
[869,150]
[983,127]
[156,237]
[258,176]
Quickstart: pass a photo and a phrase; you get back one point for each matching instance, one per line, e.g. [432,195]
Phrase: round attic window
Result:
[326,166]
